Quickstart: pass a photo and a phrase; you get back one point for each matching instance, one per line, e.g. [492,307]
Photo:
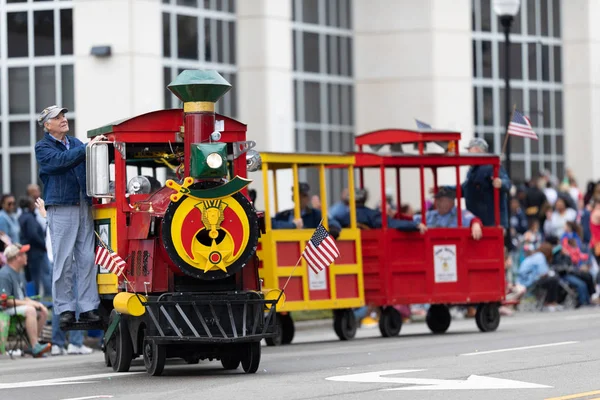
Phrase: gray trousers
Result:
[72,236]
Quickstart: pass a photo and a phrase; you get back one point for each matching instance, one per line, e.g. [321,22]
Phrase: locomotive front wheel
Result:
[390,322]
[251,357]
[155,356]
[487,317]
[230,361]
[287,328]
[276,340]
[344,324]
[438,318]
[119,349]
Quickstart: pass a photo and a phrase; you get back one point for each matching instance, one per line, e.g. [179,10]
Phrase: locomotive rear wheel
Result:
[438,318]
[230,361]
[155,356]
[390,322]
[251,357]
[119,349]
[286,329]
[344,324]
[487,317]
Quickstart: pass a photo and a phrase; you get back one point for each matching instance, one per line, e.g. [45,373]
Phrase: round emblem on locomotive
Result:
[209,237]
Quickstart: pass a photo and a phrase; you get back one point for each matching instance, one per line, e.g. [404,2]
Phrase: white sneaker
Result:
[58,350]
[83,349]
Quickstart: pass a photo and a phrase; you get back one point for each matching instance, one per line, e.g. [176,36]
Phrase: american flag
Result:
[109,260]
[320,250]
[422,125]
[520,126]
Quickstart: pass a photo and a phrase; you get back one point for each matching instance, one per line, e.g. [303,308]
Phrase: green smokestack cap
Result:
[195,85]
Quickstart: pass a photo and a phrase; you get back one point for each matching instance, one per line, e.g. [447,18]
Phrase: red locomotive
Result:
[170,200]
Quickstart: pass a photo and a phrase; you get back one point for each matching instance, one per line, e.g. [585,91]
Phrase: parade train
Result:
[189,287]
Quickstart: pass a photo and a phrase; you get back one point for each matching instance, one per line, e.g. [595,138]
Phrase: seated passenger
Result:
[372,218]
[310,217]
[445,214]
[341,207]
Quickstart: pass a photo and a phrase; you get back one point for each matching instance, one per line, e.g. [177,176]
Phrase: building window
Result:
[323,84]
[535,79]
[36,71]
[200,34]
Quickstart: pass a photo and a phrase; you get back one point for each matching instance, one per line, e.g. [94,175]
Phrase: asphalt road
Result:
[531,356]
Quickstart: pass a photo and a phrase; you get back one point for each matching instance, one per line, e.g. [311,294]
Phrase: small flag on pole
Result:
[422,125]
[109,260]
[320,251]
[520,126]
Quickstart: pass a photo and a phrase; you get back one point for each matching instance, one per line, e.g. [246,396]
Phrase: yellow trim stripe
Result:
[198,106]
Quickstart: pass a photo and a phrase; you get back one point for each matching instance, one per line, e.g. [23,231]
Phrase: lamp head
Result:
[506,8]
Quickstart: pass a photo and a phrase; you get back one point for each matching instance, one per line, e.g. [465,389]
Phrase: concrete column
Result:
[127,83]
[265,83]
[581,80]
[413,60]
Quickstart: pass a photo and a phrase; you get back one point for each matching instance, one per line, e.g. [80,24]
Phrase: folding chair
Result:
[19,333]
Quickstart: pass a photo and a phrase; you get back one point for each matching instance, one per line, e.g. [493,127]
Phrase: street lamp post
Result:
[506,10]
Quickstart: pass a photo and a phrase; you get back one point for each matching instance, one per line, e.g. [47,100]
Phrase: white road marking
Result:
[473,382]
[102,396]
[477,353]
[64,381]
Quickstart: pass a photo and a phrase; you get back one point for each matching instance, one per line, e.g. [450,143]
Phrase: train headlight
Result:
[214,160]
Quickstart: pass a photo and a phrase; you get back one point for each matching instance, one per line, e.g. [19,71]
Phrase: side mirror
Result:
[97,170]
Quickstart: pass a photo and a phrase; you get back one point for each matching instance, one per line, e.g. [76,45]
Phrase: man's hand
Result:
[96,139]
[299,223]
[476,231]
[39,203]
[422,228]
[497,183]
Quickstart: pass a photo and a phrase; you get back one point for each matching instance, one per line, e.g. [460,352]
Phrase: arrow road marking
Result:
[472,382]
[64,381]
[477,353]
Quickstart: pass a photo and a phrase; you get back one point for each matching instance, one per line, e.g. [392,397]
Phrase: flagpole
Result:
[124,277]
[506,133]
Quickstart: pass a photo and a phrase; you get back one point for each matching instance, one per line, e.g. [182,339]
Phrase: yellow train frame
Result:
[273,274]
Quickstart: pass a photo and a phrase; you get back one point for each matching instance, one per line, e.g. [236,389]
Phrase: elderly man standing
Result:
[61,160]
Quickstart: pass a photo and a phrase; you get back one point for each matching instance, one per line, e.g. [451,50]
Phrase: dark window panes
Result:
[556,18]
[294,52]
[488,107]
[476,100]
[558,109]
[66,31]
[547,111]
[516,60]
[311,52]
[332,50]
[232,42]
[547,143]
[534,145]
[333,104]
[310,11]
[346,104]
[545,63]
[535,169]
[517,171]
[516,100]
[16,1]
[297,85]
[18,90]
[474,26]
[531,17]
[486,58]
[557,64]
[486,16]
[166,1]
[233,95]
[189,3]
[489,138]
[220,5]
[349,62]
[208,50]
[333,13]
[20,172]
[18,133]
[517,144]
[475,60]
[544,17]
[187,37]
[294,15]
[232,6]
[220,34]
[548,166]
[43,33]
[560,169]
[16,24]
[166,19]
[72,128]
[345,11]
[532,59]
[534,112]
[560,150]
[297,139]
[166,81]
[45,87]
[516,25]
[351,104]
[312,102]
[313,141]
[68,87]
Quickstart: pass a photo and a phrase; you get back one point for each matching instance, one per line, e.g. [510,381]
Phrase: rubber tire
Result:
[487,317]
[120,360]
[438,318]
[390,322]
[288,329]
[277,340]
[251,357]
[155,357]
[344,324]
[106,358]
[230,361]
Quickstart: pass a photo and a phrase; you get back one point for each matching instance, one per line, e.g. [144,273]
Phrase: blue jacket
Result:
[585,225]
[310,218]
[62,171]
[532,268]
[372,219]
[479,194]
[32,233]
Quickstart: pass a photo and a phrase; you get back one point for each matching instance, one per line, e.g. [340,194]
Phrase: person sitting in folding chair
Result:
[13,285]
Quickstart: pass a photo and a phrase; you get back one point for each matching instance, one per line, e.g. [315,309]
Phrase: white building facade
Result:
[307,75]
